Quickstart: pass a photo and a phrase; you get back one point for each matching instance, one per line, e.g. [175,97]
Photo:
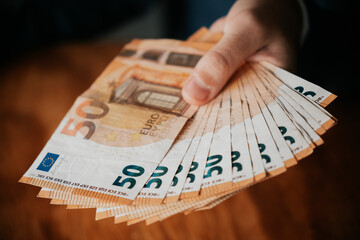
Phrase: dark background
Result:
[328,55]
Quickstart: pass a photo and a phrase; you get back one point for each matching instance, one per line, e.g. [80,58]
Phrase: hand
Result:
[253,30]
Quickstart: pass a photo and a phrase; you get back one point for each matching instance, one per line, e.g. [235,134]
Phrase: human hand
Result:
[253,30]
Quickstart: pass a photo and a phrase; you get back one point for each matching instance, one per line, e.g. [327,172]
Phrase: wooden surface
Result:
[317,199]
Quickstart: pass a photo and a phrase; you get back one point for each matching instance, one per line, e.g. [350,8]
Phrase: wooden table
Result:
[316,199]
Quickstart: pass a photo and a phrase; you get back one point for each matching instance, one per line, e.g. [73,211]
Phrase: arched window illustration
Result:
[150,95]
[157,100]
[183,59]
[127,53]
[153,55]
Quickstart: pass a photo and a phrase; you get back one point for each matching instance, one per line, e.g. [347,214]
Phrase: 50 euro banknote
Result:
[164,174]
[118,131]
[127,146]
[273,115]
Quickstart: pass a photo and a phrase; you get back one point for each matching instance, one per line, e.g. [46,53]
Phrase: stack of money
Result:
[132,148]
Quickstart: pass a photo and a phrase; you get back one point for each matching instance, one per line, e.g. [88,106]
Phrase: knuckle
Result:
[256,26]
[214,69]
[221,61]
[217,66]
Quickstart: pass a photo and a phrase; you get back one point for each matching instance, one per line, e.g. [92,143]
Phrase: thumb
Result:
[215,68]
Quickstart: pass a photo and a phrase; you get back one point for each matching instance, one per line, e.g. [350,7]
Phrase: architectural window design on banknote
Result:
[139,92]
[127,53]
[153,55]
[171,58]
[182,59]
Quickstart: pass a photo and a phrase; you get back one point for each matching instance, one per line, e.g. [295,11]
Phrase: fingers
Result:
[279,53]
[218,25]
[252,30]
[216,67]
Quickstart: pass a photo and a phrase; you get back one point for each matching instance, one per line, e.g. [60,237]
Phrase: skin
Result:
[253,30]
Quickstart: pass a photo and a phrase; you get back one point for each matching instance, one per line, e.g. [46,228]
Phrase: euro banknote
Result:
[132,148]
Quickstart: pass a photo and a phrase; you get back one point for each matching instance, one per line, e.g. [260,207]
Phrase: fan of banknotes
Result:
[132,148]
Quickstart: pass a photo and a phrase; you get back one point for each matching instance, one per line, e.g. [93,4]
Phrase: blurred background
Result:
[30,26]
[51,51]
[37,24]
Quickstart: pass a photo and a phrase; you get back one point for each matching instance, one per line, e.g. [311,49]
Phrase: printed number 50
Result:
[81,113]
[131,171]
